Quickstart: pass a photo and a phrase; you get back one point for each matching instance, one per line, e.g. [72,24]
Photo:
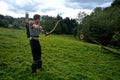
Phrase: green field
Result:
[64,58]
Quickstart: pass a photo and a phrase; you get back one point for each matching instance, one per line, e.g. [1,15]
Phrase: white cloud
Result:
[18,8]
[105,4]
[3,7]
[60,8]
[4,10]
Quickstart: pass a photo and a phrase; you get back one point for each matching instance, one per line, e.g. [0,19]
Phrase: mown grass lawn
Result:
[64,58]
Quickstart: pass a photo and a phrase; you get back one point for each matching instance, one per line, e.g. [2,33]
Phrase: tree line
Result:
[11,22]
[65,26]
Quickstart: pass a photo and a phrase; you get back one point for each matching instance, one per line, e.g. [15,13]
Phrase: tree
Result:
[81,16]
[116,3]
[16,25]
[10,19]
[1,16]
[4,23]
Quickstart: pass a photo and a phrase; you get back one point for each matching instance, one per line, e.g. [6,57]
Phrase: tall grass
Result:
[64,58]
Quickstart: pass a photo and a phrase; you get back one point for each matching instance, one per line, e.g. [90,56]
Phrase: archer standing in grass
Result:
[33,30]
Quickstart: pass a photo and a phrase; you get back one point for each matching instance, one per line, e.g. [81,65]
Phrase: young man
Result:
[34,30]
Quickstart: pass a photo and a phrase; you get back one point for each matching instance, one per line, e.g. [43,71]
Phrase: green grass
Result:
[64,58]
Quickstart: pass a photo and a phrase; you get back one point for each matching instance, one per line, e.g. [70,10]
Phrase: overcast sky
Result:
[65,8]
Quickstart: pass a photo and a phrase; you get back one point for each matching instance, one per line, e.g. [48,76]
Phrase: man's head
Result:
[36,17]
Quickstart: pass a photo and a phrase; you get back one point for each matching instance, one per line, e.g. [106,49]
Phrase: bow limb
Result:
[52,29]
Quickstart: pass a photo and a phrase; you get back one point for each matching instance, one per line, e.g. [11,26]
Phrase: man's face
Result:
[37,21]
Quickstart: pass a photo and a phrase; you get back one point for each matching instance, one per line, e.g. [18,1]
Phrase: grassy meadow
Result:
[64,58]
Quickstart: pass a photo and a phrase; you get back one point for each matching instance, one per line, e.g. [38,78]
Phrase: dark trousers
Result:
[36,50]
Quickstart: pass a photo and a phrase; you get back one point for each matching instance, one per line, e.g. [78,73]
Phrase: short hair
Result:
[36,16]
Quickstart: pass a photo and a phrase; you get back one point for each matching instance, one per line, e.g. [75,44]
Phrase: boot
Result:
[39,64]
[34,67]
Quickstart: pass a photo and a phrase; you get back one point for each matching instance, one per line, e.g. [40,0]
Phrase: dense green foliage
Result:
[116,3]
[65,26]
[3,21]
[64,58]
[102,25]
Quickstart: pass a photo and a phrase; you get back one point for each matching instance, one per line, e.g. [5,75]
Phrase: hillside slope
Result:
[64,58]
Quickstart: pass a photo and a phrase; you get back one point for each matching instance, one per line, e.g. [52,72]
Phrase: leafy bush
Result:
[4,23]
[16,25]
